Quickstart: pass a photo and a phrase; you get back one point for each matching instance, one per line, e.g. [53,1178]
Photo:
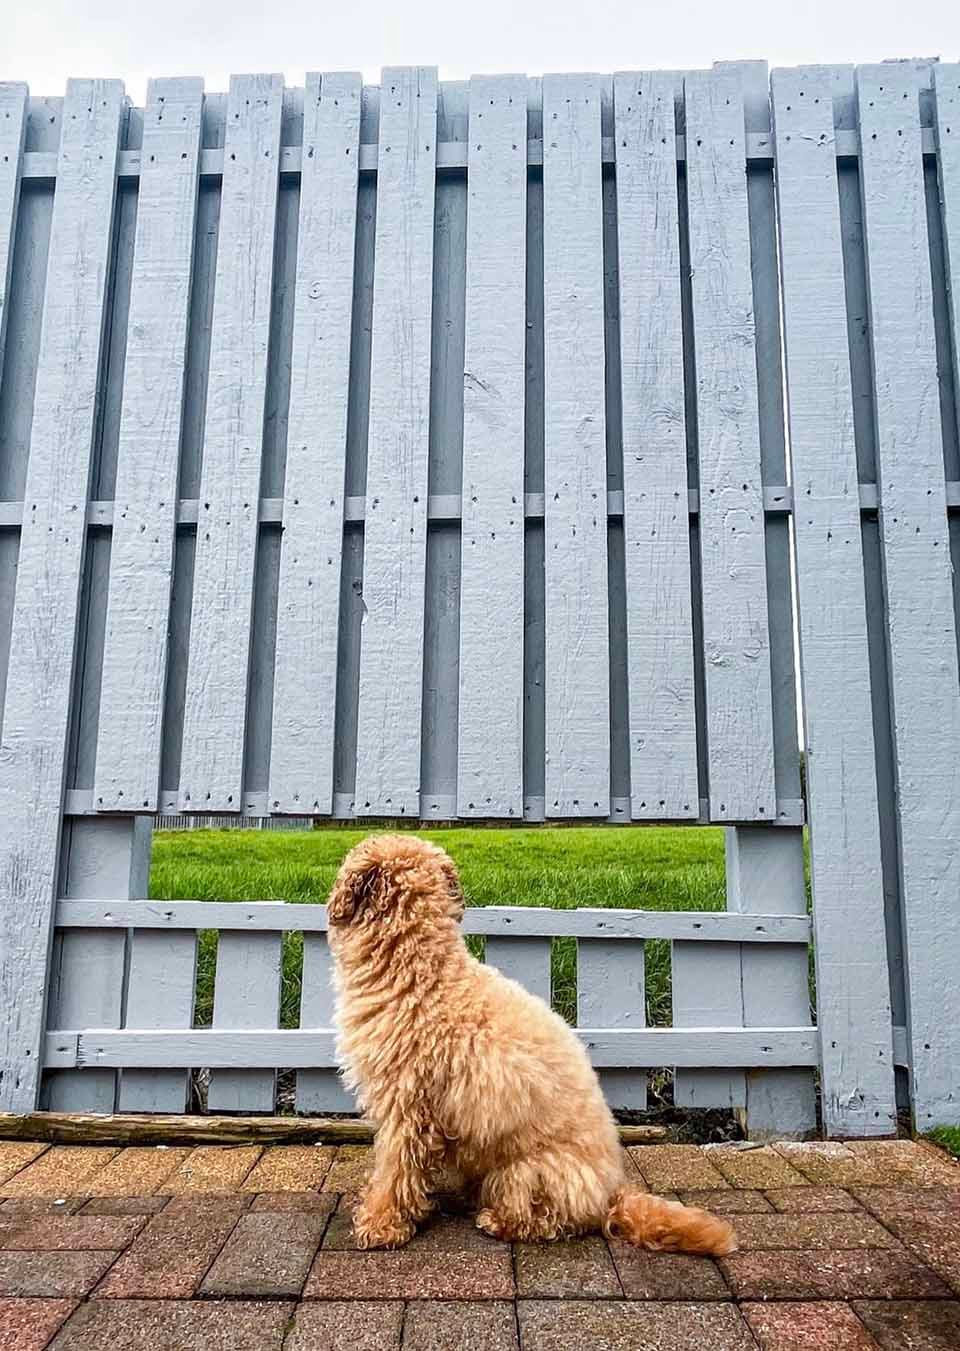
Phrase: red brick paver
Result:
[436,1326]
[933,1325]
[559,1325]
[175,1325]
[807,1327]
[28,1324]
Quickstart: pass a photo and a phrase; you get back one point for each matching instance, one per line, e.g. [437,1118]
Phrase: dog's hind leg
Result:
[515,1204]
[408,1153]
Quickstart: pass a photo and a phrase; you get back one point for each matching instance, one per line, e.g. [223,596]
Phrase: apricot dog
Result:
[460,1067]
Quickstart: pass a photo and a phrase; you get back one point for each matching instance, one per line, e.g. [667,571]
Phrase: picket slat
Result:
[246,995]
[925,683]
[161,981]
[490,761]
[319,1090]
[575,481]
[144,516]
[308,609]
[214,718]
[733,569]
[395,532]
[525,960]
[13,126]
[52,542]
[611,993]
[852,986]
[663,725]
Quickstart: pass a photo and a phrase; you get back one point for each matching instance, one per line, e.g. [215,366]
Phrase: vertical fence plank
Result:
[525,960]
[50,568]
[575,481]
[246,994]
[490,761]
[107,859]
[161,981]
[395,530]
[733,569]
[216,694]
[308,611]
[922,641]
[707,991]
[610,993]
[852,978]
[13,126]
[141,555]
[663,725]
[319,1090]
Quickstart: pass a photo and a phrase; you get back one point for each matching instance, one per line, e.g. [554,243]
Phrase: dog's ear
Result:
[453,882]
[351,893]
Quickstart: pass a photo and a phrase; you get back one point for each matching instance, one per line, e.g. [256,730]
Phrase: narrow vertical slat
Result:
[490,761]
[246,994]
[611,994]
[733,568]
[161,981]
[525,960]
[395,529]
[319,1091]
[663,724]
[43,635]
[707,991]
[308,610]
[575,480]
[13,126]
[216,694]
[144,518]
[946,85]
[921,635]
[852,978]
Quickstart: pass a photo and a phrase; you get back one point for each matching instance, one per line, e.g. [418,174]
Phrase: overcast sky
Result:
[48,40]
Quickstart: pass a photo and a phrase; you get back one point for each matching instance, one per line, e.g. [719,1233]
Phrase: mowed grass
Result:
[648,867]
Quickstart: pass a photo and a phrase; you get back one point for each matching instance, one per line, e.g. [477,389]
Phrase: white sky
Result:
[49,40]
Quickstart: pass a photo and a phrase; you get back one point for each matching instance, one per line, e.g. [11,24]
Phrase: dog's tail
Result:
[667,1226]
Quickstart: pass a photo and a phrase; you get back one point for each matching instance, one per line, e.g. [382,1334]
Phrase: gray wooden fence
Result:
[420,452]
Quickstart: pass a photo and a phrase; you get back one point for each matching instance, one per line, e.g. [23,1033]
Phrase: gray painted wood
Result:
[925,684]
[87,978]
[246,995]
[144,515]
[214,718]
[732,556]
[576,675]
[319,1090]
[40,671]
[308,611]
[707,991]
[651,1047]
[846,875]
[499,921]
[610,993]
[161,983]
[395,535]
[490,759]
[13,126]
[663,731]
[525,960]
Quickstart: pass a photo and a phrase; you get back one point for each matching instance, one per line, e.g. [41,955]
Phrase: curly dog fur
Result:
[461,1068]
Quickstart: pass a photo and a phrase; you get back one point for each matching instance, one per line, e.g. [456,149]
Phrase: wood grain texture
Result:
[663,730]
[214,720]
[490,759]
[922,644]
[148,454]
[13,126]
[733,569]
[611,993]
[308,610]
[852,981]
[246,994]
[42,640]
[395,536]
[575,556]
[160,984]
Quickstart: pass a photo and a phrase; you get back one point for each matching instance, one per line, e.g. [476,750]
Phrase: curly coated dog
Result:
[460,1067]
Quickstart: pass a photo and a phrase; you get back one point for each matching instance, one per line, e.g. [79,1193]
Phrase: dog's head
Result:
[394,880]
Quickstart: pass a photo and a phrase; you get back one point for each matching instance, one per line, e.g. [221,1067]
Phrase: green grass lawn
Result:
[649,867]
[948,1137]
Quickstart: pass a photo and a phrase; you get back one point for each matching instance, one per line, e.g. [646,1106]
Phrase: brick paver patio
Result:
[846,1247]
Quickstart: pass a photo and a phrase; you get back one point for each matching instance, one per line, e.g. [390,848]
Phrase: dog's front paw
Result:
[489,1222]
[381,1231]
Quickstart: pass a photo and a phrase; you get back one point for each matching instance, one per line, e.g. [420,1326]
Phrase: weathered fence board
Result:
[395,530]
[50,565]
[148,453]
[490,762]
[214,716]
[318,1090]
[13,125]
[925,683]
[308,609]
[161,981]
[246,995]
